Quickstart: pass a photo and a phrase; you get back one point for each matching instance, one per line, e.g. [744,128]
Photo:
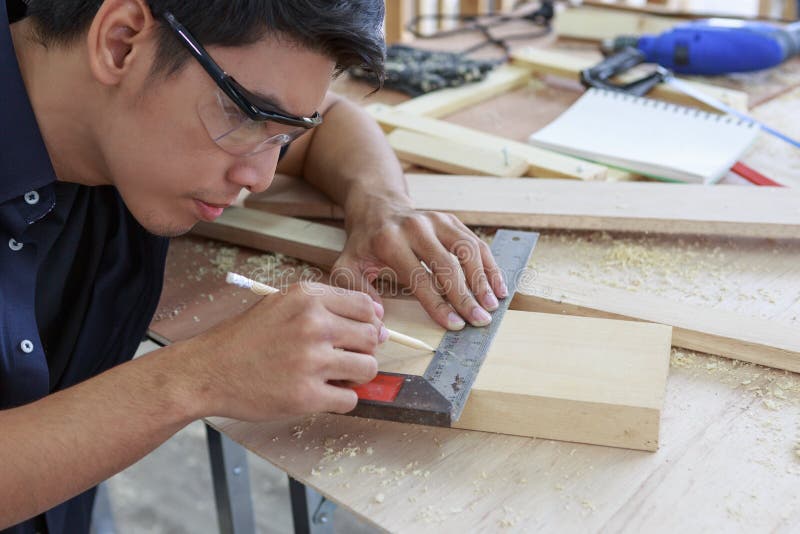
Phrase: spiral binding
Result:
[674,108]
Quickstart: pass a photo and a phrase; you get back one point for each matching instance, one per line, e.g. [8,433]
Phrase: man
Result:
[121,125]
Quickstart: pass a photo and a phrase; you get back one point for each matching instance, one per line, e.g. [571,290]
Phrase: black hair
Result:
[347,31]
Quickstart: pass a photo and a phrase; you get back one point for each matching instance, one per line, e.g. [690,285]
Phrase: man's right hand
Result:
[286,355]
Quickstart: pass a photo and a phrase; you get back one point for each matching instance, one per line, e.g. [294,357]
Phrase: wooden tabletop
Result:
[730,454]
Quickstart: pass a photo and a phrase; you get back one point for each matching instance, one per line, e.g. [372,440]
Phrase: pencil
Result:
[263,289]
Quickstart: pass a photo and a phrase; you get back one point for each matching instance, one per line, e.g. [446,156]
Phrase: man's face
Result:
[159,154]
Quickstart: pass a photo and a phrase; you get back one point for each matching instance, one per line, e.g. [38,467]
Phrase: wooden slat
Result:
[443,155]
[445,101]
[507,5]
[595,24]
[554,62]
[397,14]
[474,7]
[713,331]
[741,211]
[605,387]
[541,162]
[705,329]
[311,242]
[790,10]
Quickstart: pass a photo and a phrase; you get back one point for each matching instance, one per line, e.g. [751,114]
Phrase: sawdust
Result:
[773,391]
[225,259]
[713,272]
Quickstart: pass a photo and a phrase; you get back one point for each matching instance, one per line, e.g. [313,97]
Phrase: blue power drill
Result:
[715,46]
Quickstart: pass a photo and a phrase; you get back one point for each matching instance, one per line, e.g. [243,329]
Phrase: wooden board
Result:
[397,14]
[541,162]
[713,331]
[769,155]
[444,155]
[445,101]
[316,243]
[765,212]
[596,24]
[592,381]
[558,63]
[697,8]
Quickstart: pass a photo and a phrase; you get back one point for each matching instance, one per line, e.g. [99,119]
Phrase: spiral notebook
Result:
[648,137]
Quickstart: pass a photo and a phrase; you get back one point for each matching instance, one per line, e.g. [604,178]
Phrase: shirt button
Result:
[14,245]
[26,346]
[32,197]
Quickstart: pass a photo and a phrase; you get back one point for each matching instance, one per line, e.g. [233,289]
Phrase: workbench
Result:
[729,459]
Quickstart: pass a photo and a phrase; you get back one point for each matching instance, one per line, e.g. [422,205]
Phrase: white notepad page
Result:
[648,136]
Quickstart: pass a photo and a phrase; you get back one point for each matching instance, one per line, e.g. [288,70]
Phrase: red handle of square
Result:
[383,388]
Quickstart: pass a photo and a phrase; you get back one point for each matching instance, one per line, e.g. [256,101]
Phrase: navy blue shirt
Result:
[80,278]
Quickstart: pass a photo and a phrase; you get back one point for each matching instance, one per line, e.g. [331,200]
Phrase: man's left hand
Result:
[459,280]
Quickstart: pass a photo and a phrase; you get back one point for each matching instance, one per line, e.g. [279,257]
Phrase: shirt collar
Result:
[24,162]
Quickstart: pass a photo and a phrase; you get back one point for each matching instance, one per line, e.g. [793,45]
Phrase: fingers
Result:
[448,275]
[347,369]
[347,303]
[488,262]
[414,276]
[337,399]
[352,367]
[357,336]
[348,275]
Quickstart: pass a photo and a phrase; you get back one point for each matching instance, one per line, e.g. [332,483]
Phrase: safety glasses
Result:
[235,118]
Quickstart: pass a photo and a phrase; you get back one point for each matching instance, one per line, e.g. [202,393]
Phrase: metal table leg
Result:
[312,513]
[231,484]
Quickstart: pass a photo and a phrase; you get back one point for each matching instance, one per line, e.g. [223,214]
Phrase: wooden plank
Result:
[445,101]
[294,197]
[448,156]
[709,330]
[595,24]
[652,207]
[691,8]
[593,381]
[397,14]
[507,5]
[541,162]
[777,159]
[791,10]
[557,63]
[474,7]
[312,242]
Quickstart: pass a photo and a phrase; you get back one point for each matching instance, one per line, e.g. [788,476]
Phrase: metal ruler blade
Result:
[459,356]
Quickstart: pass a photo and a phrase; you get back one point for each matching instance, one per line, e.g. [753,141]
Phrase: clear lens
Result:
[236,133]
